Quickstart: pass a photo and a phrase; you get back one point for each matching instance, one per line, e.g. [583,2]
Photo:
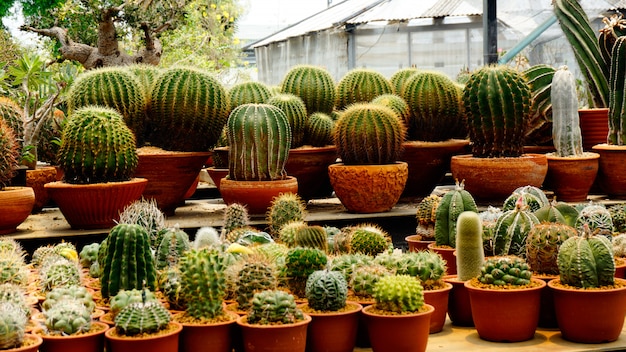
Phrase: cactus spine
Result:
[128,263]
[399,293]
[314,85]
[542,246]
[146,213]
[511,231]
[13,115]
[395,103]
[360,85]
[203,283]
[326,290]
[12,325]
[399,78]
[586,261]
[259,137]
[274,306]
[248,93]
[617,99]
[368,239]
[497,105]
[469,245]
[142,317]
[451,205]
[294,109]
[173,244]
[319,130]
[566,135]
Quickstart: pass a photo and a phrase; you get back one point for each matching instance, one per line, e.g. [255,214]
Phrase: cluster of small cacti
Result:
[347,263]
[59,273]
[368,239]
[9,153]
[13,322]
[426,216]
[203,283]
[470,254]
[511,230]
[285,208]
[451,205]
[254,276]
[542,246]
[299,264]
[532,197]
[399,293]
[142,317]
[365,277]
[168,282]
[68,317]
[74,293]
[597,217]
[295,110]
[146,213]
[360,85]
[173,244]
[274,306]
[338,240]
[326,290]
[618,217]
[314,85]
[248,93]
[505,270]
[429,267]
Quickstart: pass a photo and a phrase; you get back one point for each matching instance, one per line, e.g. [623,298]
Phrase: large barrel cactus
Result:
[617,99]
[399,78]
[146,74]
[174,243]
[566,135]
[369,134]
[128,263]
[319,130]
[9,153]
[451,205]
[188,109]
[314,85]
[295,110]
[586,261]
[360,85]
[248,93]
[97,146]
[259,137]
[497,105]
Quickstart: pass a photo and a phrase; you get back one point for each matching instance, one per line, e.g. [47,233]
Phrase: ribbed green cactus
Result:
[111,87]
[314,85]
[365,277]
[9,153]
[586,261]
[287,233]
[368,239]
[511,231]
[96,146]
[540,82]
[451,205]
[128,263]
[299,264]
[312,236]
[187,110]
[68,317]
[617,98]
[497,105]
[395,103]
[203,283]
[506,270]
[248,93]
[360,85]
[146,75]
[532,197]
[295,110]
[559,212]
[13,322]
[319,130]
[126,297]
[174,243]
[597,217]
[399,78]
[433,101]
[259,137]
[470,255]
[274,306]
[285,208]
[566,134]
[59,273]
[369,134]
[326,290]
[142,317]
[615,27]
[254,276]
[542,246]
[399,294]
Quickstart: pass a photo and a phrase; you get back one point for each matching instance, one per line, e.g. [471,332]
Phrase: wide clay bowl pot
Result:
[16,203]
[612,172]
[256,195]
[571,178]
[494,179]
[368,188]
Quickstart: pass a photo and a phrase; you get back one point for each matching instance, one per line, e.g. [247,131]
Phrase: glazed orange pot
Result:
[256,195]
[16,203]
[571,177]
[393,333]
[439,300]
[274,337]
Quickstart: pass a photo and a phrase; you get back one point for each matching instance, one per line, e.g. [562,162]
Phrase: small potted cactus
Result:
[505,300]
[13,319]
[400,319]
[426,216]
[590,302]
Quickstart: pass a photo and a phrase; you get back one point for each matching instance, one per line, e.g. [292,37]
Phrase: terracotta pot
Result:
[362,336]
[447,253]
[16,204]
[256,195]
[428,163]
[192,188]
[494,179]
[88,342]
[416,244]
[510,315]
[217,175]
[310,166]
[547,314]
[594,126]
[393,333]
[459,307]
[170,175]
[94,206]
[590,316]
[620,270]
[167,342]
[31,344]
[368,188]
[571,178]
[216,337]
[36,179]
[439,300]
[612,172]
[333,331]
[274,338]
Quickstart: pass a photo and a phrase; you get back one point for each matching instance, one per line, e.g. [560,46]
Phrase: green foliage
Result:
[9,153]
[174,243]
[451,205]
[566,134]
[399,294]
[319,130]
[203,283]
[539,130]
[360,85]
[97,146]
[348,263]
[68,317]
[314,85]
[586,261]
[274,307]
[326,290]
[142,317]
[428,266]
[470,255]
[507,270]
[251,92]
[542,246]
[295,110]
[285,208]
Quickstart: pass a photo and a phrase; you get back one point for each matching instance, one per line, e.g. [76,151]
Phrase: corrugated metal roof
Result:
[448,8]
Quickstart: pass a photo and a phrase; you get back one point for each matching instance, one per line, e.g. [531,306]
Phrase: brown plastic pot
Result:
[274,338]
[393,333]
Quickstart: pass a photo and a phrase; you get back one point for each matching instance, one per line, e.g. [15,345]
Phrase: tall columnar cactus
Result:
[312,236]
[470,255]
[319,130]
[617,99]
[497,105]
[368,239]
[299,264]
[285,208]
[396,103]
[248,93]
[426,216]
[274,306]
[13,322]
[314,85]
[188,109]
[203,283]
[503,271]
[532,196]
[9,153]
[542,246]
[68,317]
[360,85]
[97,146]
[566,135]
[452,204]
[326,290]
[142,317]
[369,134]
[128,263]
[511,231]
[399,293]
[433,100]
[586,261]
[259,137]
[295,110]
[111,87]
[174,243]
[254,276]
[399,78]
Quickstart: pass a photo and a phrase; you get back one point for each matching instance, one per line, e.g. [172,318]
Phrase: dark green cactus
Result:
[314,85]
[285,208]
[399,294]
[254,276]
[469,245]
[274,306]
[497,105]
[369,134]
[326,290]
[532,197]
[299,264]
[126,297]
[188,109]
[96,146]
[542,246]
[203,283]
[360,85]
[259,137]
[312,236]
[9,154]
[559,212]
[68,317]
[511,231]
[319,130]
[399,78]
[566,134]
[13,322]
[295,110]
[248,93]
[128,262]
[142,318]
[586,261]
[451,205]
[396,103]
[506,270]
[368,239]
[433,101]
[617,98]
[173,244]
